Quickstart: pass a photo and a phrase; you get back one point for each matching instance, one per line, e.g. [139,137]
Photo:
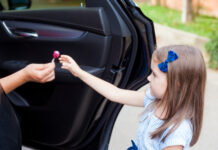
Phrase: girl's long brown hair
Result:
[184,97]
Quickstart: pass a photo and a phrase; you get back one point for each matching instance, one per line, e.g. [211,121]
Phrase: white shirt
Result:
[149,123]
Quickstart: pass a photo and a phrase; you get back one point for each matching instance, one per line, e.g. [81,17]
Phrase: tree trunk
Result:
[187,14]
[153,2]
[157,2]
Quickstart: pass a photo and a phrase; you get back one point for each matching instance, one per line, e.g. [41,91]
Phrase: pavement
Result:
[126,124]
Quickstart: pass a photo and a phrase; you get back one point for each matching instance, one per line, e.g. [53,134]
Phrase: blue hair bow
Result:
[133,147]
[171,57]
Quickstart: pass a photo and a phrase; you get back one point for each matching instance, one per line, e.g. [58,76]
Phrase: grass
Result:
[202,25]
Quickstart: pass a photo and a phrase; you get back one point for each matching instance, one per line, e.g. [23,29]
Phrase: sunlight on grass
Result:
[202,25]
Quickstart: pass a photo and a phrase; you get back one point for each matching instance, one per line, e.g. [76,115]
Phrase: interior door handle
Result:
[20,33]
[25,34]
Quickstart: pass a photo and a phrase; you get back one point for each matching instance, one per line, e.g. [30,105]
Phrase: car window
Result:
[41,4]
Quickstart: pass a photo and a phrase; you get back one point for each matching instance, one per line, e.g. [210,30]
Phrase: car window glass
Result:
[45,4]
[4,4]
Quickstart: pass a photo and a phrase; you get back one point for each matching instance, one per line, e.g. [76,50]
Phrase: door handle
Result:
[20,33]
[25,34]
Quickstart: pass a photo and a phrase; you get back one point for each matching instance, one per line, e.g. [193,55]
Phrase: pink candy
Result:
[56,54]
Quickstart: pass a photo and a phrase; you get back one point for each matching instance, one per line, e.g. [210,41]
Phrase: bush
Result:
[212,50]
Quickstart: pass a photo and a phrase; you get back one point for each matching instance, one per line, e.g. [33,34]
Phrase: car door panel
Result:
[93,48]
[91,19]
[67,97]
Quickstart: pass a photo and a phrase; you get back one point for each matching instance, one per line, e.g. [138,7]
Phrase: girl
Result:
[174,104]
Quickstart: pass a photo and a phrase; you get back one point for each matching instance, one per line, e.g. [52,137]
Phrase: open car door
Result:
[110,39]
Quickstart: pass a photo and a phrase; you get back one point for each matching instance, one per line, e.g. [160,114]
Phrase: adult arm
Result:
[32,73]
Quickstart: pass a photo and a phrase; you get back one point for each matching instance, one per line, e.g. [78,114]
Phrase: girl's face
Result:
[158,80]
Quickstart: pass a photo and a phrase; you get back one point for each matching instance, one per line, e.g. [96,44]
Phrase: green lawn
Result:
[202,25]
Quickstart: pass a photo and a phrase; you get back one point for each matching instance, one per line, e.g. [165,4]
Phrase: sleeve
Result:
[10,135]
[148,98]
[181,136]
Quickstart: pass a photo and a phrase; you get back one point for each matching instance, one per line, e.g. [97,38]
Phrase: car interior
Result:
[111,39]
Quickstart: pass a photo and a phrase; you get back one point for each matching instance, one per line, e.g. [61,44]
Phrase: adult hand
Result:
[39,72]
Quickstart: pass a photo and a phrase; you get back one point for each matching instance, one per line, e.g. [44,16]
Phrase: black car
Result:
[111,39]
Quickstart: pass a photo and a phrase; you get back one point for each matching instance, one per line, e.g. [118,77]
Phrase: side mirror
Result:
[19,4]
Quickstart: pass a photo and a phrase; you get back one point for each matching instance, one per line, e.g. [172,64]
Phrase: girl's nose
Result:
[149,78]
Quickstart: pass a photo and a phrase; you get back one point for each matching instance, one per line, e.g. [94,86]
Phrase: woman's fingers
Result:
[42,66]
[42,74]
[49,67]
[39,66]
[45,72]
[46,75]
[49,77]
[39,72]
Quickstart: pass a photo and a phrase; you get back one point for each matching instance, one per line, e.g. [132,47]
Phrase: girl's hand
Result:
[39,72]
[70,64]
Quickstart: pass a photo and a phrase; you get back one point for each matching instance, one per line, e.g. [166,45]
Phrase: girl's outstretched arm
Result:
[108,90]
[34,72]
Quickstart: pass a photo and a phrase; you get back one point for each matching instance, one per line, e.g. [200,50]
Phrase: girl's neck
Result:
[160,111]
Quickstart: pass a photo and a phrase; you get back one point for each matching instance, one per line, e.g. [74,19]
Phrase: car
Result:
[111,39]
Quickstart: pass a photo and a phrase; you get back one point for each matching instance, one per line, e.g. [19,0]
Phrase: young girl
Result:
[174,103]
